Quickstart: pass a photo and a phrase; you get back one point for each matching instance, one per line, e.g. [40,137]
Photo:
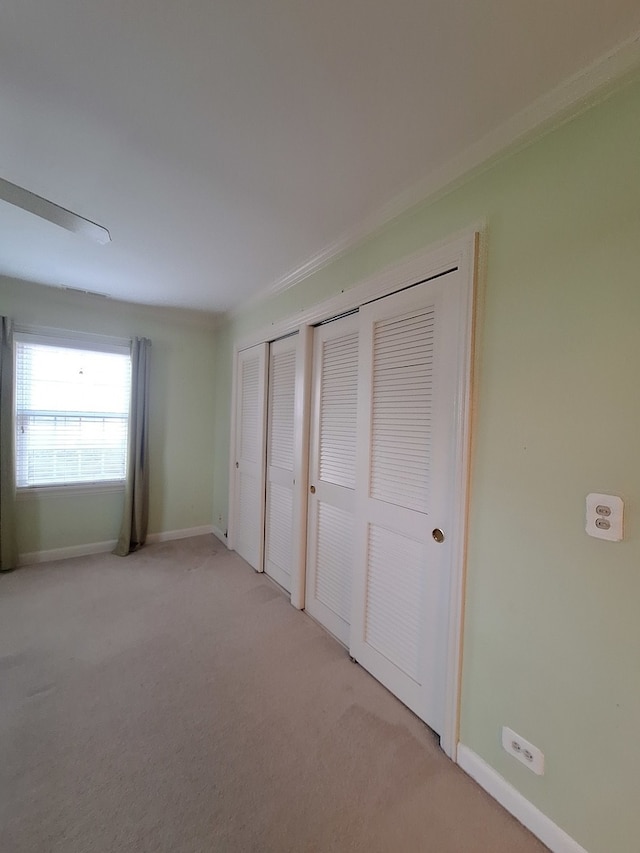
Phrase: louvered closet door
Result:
[278,537]
[248,537]
[332,475]
[406,441]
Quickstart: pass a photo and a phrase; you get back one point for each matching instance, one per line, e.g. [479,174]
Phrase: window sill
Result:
[70,490]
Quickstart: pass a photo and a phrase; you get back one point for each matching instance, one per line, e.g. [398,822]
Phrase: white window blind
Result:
[72,413]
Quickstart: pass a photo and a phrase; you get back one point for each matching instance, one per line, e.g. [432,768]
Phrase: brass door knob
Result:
[438,535]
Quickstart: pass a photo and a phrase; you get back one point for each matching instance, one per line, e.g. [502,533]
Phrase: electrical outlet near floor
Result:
[526,752]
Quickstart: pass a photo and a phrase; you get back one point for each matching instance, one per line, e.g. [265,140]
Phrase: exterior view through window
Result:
[72,414]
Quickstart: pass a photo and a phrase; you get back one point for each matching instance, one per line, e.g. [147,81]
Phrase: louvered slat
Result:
[248,519]
[334,559]
[278,528]
[282,378]
[393,597]
[338,410]
[249,414]
[403,351]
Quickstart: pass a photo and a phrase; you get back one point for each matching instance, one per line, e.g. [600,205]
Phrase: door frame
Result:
[461,252]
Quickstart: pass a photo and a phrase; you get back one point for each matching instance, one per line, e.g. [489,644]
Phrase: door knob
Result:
[237,464]
[438,535]
[312,489]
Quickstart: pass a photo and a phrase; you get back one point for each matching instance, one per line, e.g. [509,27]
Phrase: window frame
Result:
[71,340]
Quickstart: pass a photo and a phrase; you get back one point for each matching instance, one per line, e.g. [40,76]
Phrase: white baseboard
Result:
[185,533]
[222,536]
[522,809]
[33,557]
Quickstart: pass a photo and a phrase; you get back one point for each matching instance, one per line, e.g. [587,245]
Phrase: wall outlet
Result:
[526,752]
[604,516]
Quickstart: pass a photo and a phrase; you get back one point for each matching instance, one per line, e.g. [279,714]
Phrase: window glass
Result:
[72,412]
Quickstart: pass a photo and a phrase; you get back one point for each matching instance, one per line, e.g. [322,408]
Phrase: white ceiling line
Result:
[577,93]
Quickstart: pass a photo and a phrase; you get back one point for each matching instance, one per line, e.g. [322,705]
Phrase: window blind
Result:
[72,413]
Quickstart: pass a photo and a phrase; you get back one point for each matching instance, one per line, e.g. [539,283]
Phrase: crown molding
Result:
[571,97]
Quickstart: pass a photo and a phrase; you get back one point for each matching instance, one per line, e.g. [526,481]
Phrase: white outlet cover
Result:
[605,516]
[523,750]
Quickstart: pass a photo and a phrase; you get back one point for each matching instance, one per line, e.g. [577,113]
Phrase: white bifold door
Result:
[249,476]
[279,534]
[385,479]
[332,475]
[405,486]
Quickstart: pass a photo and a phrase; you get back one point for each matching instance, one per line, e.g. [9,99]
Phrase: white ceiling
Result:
[224,143]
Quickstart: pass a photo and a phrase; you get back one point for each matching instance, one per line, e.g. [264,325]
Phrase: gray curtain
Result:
[8,545]
[133,532]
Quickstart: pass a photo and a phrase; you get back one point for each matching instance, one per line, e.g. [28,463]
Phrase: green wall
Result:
[552,633]
[181,408]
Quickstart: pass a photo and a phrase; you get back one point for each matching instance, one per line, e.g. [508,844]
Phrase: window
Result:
[72,412]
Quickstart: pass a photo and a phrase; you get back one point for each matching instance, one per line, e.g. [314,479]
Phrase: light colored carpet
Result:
[175,701]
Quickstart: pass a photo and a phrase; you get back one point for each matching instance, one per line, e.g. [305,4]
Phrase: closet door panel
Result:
[249,443]
[280,461]
[332,474]
[405,492]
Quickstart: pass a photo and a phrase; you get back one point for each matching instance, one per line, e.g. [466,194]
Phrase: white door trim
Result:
[461,252]
[449,737]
